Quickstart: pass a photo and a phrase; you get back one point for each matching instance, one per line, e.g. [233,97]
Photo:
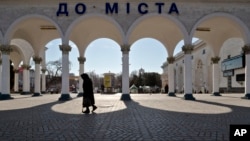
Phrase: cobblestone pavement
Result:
[144,118]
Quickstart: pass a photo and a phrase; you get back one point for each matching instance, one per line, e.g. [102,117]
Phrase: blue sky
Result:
[104,55]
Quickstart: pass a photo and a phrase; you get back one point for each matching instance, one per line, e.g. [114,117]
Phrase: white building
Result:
[229,81]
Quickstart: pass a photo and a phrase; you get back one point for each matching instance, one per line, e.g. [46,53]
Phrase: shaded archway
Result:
[164,28]
[90,27]
[216,28]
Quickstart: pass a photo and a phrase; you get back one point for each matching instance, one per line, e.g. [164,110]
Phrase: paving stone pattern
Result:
[146,117]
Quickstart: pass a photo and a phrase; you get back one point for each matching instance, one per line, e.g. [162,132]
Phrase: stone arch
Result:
[221,26]
[27,26]
[90,27]
[164,26]
[24,48]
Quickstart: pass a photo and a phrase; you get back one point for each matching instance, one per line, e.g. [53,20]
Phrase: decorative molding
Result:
[215,60]
[6,49]
[37,60]
[65,48]
[171,60]
[25,66]
[187,49]
[246,49]
[125,49]
[81,60]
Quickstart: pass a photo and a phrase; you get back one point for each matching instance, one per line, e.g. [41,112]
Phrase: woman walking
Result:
[88,94]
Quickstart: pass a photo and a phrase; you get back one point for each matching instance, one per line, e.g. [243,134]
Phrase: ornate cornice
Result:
[65,49]
[246,49]
[125,49]
[81,60]
[171,60]
[25,66]
[37,60]
[187,49]
[215,60]
[6,49]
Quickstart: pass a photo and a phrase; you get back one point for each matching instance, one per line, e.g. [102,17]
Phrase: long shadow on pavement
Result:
[135,122]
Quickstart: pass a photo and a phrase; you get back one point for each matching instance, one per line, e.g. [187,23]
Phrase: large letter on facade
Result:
[140,8]
[63,9]
[112,9]
[173,8]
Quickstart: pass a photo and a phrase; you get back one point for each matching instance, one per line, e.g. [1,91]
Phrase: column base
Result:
[80,94]
[25,93]
[125,97]
[36,94]
[216,94]
[171,94]
[5,97]
[65,97]
[247,96]
[189,97]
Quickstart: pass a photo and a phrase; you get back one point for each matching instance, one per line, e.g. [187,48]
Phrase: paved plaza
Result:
[145,118]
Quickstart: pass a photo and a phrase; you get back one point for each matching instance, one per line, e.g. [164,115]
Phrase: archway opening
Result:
[103,58]
[53,64]
[147,55]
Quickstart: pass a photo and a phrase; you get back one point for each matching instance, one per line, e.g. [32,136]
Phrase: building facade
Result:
[25,29]
[202,69]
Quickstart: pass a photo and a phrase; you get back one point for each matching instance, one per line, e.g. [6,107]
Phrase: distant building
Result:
[229,80]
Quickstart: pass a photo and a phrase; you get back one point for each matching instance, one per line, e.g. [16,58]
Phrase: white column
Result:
[0,76]
[65,72]
[5,79]
[81,71]
[26,79]
[187,49]
[246,50]
[125,72]
[16,83]
[43,81]
[171,76]
[215,61]
[37,61]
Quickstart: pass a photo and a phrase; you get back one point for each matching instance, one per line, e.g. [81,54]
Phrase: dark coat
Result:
[88,88]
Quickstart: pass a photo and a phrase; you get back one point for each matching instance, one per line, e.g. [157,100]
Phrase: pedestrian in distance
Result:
[88,94]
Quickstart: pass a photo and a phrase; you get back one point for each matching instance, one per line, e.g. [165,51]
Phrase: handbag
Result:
[86,102]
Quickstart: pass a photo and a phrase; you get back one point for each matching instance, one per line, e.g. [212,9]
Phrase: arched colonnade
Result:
[27,36]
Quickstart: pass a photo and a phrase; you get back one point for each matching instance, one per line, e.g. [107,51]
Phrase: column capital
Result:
[246,49]
[187,49]
[25,66]
[65,48]
[171,60]
[125,49]
[6,49]
[215,60]
[43,70]
[81,60]
[16,70]
[37,60]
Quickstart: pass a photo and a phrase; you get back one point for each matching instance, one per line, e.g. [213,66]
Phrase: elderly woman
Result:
[88,95]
